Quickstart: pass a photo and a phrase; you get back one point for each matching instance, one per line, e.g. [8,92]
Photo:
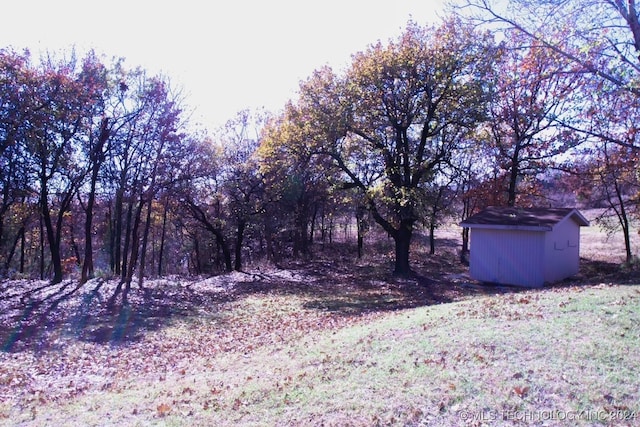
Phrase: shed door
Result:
[513,257]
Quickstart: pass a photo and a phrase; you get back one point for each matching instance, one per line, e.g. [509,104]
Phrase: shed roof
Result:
[523,218]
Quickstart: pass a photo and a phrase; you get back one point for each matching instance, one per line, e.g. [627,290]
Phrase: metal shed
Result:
[524,247]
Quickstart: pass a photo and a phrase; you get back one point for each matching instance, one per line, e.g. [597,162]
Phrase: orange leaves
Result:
[521,392]
[163,410]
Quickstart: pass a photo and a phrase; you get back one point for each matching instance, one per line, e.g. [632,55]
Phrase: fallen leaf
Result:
[237,404]
[521,391]
[163,409]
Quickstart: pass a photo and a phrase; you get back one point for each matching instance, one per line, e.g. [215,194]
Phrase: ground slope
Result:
[243,350]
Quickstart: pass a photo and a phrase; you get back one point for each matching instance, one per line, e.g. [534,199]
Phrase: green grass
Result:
[528,354]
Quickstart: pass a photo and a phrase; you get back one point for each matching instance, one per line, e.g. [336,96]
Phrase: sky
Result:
[224,56]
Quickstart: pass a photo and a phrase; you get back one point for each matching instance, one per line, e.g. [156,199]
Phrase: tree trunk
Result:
[432,236]
[201,216]
[242,224]
[41,226]
[111,227]
[466,212]
[54,244]
[623,218]
[125,249]
[97,157]
[135,244]
[296,243]
[313,224]
[1,229]
[117,232]
[627,244]
[301,232]
[331,230]
[360,229]
[19,239]
[465,246]
[225,252]
[268,240]
[323,230]
[402,239]
[74,245]
[145,239]
[163,235]
[87,265]
[23,242]
[512,191]
[196,247]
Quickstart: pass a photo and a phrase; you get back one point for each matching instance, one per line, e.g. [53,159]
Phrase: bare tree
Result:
[599,37]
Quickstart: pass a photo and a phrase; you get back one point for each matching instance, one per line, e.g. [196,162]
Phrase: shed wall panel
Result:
[513,257]
[562,251]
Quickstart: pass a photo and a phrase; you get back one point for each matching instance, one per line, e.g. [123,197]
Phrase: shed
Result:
[524,247]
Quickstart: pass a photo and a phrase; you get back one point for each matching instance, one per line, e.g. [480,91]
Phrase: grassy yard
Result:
[597,245]
[324,343]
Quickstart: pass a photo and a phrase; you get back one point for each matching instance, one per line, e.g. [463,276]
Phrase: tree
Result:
[242,183]
[94,148]
[297,181]
[469,171]
[609,179]
[167,143]
[81,141]
[52,135]
[599,37]
[440,195]
[17,94]
[19,101]
[610,174]
[146,122]
[397,115]
[533,90]
[202,199]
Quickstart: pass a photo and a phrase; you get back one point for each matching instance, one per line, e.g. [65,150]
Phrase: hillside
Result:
[268,358]
[324,342]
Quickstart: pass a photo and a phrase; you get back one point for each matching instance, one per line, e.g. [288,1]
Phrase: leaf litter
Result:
[65,341]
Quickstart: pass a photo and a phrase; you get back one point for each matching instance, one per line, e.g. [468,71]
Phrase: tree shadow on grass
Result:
[81,312]
[40,316]
[147,309]
[358,287]
[396,294]
[35,316]
[598,271]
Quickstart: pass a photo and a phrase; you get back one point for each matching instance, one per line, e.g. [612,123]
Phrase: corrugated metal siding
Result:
[513,257]
[562,251]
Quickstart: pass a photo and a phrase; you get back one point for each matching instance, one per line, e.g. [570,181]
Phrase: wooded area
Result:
[534,105]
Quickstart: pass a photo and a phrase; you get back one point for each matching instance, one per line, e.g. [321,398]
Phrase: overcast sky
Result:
[225,55]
